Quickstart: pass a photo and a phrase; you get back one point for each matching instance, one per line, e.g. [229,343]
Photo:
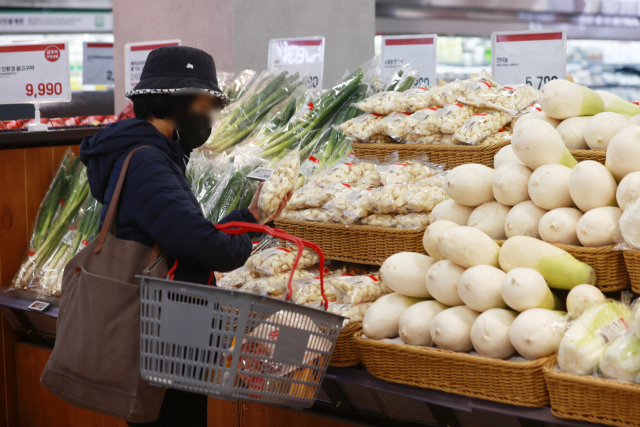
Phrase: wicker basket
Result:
[597,400]
[449,155]
[345,352]
[632,262]
[609,265]
[597,155]
[363,244]
[515,383]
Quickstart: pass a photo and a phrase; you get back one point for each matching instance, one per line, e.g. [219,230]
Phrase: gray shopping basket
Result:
[235,345]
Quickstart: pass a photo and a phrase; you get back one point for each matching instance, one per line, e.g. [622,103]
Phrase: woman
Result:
[173,104]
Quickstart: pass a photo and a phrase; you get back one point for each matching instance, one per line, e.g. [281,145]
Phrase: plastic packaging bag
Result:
[317,195]
[446,94]
[481,125]
[423,199]
[353,313]
[629,226]
[414,123]
[503,135]
[408,101]
[307,290]
[380,220]
[389,199]
[355,206]
[417,221]
[433,181]
[394,126]
[313,214]
[290,214]
[511,99]
[362,127]
[410,171]
[526,110]
[472,91]
[278,185]
[278,260]
[446,119]
[274,286]
[348,172]
[236,278]
[358,289]
[433,138]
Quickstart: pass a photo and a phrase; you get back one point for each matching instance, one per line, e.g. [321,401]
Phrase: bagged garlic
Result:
[353,313]
[389,199]
[356,205]
[290,214]
[236,278]
[278,185]
[416,221]
[433,181]
[394,126]
[503,135]
[308,290]
[278,260]
[511,99]
[424,199]
[447,94]
[317,195]
[380,220]
[346,172]
[481,125]
[474,90]
[379,103]
[526,110]
[410,172]
[380,139]
[276,285]
[357,289]
[362,127]
[411,100]
[414,138]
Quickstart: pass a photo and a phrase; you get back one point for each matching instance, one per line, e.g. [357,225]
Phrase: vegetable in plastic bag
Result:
[510,99]
[275,285]
[278,260]
[307,290]
[621,359]
[358,289]
[278,185]
[481,125]
[353,313]
[348,172]
[236,278]
[416,221]
[380,220]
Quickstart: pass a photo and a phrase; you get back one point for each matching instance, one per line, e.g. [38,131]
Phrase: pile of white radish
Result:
[471,294]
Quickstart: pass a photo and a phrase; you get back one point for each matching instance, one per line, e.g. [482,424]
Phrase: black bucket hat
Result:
[172,69]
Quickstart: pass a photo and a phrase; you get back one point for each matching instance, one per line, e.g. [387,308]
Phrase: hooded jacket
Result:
[156,202]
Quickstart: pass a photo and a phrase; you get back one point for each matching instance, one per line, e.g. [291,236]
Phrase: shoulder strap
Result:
[113,206]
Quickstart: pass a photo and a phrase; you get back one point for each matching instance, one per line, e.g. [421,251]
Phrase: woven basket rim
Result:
[461,357]
[351,328]
[593,153]
[355,227]
[549,370]
[631,252]
[578,249]
[433,147]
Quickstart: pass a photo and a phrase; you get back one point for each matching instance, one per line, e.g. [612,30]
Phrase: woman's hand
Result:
[253,206]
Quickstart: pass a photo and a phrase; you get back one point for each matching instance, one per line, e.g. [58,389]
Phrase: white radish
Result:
[571,131]
[442,282]
[505,155]
[558,267]
[562,99]
[601,128]
[537,115]
[525,288]
[537,332]
[405,273]
[616,104]
[559,226]
[628,190]
[451,329]
[537,143]
[549,187]
[432,234]
[582,297]
[510,183]
[415,322]
[523,220]
[468,247]
[451,211]
[382,318]
[599,227]
[469,184]
[623,152]
[490,218]
[591,186]
[480,287]
[634,120]
[490,333]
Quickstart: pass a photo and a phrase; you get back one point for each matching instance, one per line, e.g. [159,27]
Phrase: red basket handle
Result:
[237,227]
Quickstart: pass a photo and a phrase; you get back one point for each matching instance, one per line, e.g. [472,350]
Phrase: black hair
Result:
[161,106]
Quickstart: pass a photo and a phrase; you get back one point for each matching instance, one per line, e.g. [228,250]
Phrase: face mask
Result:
[193,130]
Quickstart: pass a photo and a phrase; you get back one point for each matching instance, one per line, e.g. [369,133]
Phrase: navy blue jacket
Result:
[157,204]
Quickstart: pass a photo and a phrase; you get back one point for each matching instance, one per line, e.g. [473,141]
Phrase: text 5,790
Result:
[541,80]
[43,89]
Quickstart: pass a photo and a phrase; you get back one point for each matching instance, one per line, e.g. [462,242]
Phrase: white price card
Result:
[531,57]
[135,55]
[419,50]
[303,55]
[97,63]
[34,72]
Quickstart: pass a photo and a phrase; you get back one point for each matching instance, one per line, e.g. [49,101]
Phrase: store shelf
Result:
[36,327]
[355,381]
[51,138]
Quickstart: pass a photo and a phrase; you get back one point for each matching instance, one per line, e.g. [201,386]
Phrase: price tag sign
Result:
[34,72]
[531,57]
[97,63]
[135,55]
[300,55]
[260,174]
[419,50]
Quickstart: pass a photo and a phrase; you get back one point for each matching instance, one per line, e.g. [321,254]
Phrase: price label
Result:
[260,174]
[300,55]
[34,72]
[531,57]
[419,50]
[135,55]
[97,63]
